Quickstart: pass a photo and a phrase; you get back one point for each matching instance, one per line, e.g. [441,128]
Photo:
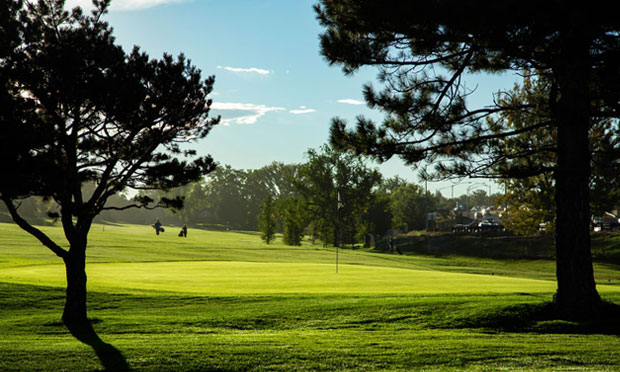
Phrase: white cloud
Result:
[243,113]
[350,101]
[302,110]
[260,71]
[122,4]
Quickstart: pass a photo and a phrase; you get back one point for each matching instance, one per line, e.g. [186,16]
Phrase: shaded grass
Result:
[305,333]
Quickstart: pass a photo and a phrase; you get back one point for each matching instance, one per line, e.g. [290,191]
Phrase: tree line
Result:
[293,199]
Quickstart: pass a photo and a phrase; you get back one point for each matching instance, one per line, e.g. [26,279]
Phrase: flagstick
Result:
[337,237]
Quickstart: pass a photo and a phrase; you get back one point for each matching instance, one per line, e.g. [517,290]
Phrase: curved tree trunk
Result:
[576,296]
[74,315]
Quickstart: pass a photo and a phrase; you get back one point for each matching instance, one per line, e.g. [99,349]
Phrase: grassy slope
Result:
[375,329]
[131,244]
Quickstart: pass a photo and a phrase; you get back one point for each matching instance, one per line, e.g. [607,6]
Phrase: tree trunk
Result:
[576,296]
[74,313]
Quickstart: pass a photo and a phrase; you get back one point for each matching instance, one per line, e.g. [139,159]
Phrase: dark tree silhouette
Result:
[425,49]
[75,108]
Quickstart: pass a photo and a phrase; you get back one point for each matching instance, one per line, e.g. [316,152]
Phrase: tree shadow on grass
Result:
[110,357]
[544,318]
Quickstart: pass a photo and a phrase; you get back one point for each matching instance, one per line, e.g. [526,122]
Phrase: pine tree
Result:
[77,109]
[267,220]
[425,50]
[294,221]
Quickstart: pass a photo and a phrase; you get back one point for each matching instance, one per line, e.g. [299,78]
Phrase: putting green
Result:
[248,278]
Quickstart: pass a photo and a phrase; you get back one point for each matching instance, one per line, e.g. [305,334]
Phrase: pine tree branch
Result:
[475,140]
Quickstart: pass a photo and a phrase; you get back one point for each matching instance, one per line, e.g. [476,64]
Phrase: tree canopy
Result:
[425,51]
[530,199]
[330,178]
[77,109]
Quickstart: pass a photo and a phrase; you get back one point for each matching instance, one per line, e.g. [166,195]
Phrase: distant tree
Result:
[295,221]
[443,203]
[320,180]
[528,203]
[117,200]
[280,179]
[479,198]
[234,196]
[315,183]
[408,205]
[425,51]
[389,185]
[255,191]
[225,191]
[605,181]
[77,109]
[379,213]
[274,179]
[530,198]
[35,208]
[529,195]
[195,203]
[267,220]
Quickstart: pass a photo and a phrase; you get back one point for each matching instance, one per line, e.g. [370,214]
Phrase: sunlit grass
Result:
[137,244]
[248,278]
[226,301]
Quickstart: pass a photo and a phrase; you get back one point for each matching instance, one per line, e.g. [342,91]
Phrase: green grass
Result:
[225,301]
[250,278]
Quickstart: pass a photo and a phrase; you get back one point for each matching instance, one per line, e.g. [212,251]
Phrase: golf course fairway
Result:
[226,301]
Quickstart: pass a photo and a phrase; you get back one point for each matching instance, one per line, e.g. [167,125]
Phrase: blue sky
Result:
[274,91]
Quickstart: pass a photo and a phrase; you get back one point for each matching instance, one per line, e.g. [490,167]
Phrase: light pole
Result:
[473,186]
[459,183]
[445,187]
[426,204]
